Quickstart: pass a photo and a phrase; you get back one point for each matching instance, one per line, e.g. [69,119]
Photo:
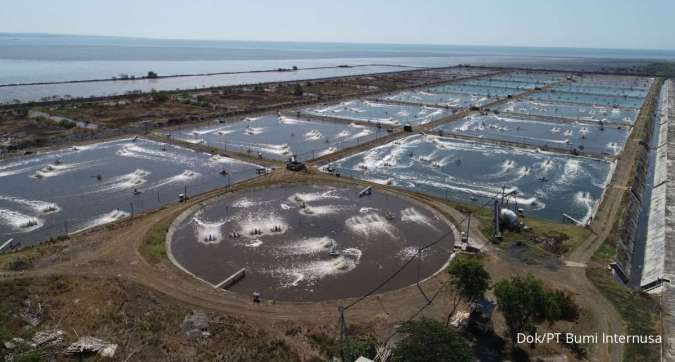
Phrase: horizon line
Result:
[330,42]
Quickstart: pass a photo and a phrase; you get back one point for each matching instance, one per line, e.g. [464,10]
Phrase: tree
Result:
[428,340]
[525,302]
[152,75]
[470,279]
[353,348]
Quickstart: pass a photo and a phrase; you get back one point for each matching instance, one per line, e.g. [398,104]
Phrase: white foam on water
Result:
[134,150]
[203,131]
[368,210]
[320,210]
[327,151]
[245,202]
[313,135]
[106,218]
[194,141]
[507,166]
[253,243]
[299,197]
[410,251]
[282,149]
[208,232]
[309,246]
[371,225]
[16,171]
[584,199]
[262,222]
[412,215]
[545,165]
[289,120]
[224,160]
[613,147]
[343,134]
[20,222]
[363,133]
[312,271]
[185,176]
[130,180]
[253,131]
[39,206]
[57,170]
[285,206]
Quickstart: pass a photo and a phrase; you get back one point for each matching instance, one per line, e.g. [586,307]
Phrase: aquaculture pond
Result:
[378,112]
[50,194]
[590,99]
[487,82]
[601,90]
[593,139]
[426,97]
[280,137]
[592,113]
[531,79]
[547,184]
[488,91]
[310,242]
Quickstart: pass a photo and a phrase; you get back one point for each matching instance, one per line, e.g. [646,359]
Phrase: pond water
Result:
[593,139]
[280,137]
[547,184]
[378,112]
[68,190]
[594,113]
[310,242]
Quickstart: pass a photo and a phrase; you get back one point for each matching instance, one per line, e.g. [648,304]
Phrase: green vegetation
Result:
[638,311]
[351,349]
[470,280]
[153,247]
[659,69]
[428,340]
[605,253]
[525,303]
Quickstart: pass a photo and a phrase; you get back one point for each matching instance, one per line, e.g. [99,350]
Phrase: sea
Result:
[26,59]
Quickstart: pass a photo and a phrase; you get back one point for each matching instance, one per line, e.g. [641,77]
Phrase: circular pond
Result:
[309,242]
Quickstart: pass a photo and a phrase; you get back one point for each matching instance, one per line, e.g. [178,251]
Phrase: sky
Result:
[630,24]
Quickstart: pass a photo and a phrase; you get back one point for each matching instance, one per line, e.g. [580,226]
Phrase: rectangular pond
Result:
[537,79]
[488,82]
[280,137]
[547,184]
[488,91]
[592,113]
[378,112]
[426,97]
[601,90]
[49,194]
[595,140]
[591,99]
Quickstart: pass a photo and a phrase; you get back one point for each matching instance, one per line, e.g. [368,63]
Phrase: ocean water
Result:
[29,58]
[40,58]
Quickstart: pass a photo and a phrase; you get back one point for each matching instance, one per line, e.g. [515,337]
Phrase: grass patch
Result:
[605,253]
[153,247]
[639,313]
